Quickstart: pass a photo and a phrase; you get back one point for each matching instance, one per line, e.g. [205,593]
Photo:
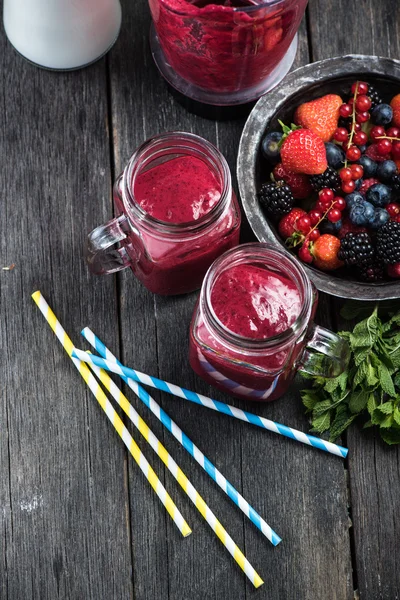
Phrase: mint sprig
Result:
[369,388]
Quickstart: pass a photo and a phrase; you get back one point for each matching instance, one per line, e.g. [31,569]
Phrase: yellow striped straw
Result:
[179,475]
[113,416]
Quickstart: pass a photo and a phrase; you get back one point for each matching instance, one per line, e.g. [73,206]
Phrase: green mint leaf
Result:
[386,408]
[340,382]
[391,436]
[354,309]
[387,422]
[358,401]
[386,380]
[361,374]
[396,415]
[397,380]
[395,356]
[368,424]
[371,376]
[309,398]
[340,423]
[366,333]
[372,403]
[321,423]
[321,407]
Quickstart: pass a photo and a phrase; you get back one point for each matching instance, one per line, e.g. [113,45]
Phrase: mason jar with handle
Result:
[253,326]
[176,213]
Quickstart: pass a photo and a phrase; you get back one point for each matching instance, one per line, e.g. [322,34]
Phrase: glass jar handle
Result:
[326,353]
[101,257]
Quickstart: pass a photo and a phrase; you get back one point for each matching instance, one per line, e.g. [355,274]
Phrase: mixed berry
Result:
[334,189]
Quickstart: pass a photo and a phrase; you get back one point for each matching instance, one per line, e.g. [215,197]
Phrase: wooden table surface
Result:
[77,518]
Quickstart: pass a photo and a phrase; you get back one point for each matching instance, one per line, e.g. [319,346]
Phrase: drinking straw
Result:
[231,411]
[182,438]
[179,475]
[113,416]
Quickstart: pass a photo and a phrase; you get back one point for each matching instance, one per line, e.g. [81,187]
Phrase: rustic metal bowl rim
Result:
[318,72]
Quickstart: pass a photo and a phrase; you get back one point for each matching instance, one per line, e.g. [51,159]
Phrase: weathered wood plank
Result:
[369,28]
[69,537]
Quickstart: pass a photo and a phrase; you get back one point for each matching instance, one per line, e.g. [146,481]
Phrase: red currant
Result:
[363,103]
[339,203]
[362,117]
[348,186]
[326,194]
[357,171]
[345,110]
[396,150]
[384,146]
[304,224]
[356,127]
[334,215]
[393,209]
[393,132]
[345,174]
[340,134]
[360,138]
[353,153]
[346,145]
[350,101]
[315,216]
[314,235]
[360,87]
[377,132]
[324,205]
[396,218]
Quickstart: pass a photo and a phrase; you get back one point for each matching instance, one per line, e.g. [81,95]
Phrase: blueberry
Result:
[381,114]
[379,194]
[334,155]
[385,171]
[363,148]
[328,227]
[270,145]
[368,165]
[358,183]
[354,198]
[381,217]
[362,213]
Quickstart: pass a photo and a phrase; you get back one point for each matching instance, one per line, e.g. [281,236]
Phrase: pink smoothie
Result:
[255,302]
[180,190]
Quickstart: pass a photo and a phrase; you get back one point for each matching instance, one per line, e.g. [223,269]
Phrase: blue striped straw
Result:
[221,407]
[173,428]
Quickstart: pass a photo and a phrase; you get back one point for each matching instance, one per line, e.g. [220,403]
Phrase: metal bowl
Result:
[334,75]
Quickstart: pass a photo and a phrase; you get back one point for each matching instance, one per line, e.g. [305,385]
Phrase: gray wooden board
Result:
[373,467]
[301,492]
[63,505]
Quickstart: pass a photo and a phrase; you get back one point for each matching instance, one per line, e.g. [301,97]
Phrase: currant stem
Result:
[353,118]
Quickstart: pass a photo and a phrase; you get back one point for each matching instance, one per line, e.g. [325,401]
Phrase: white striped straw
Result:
[179,475]
[113,416]
[182,438]
[221,407]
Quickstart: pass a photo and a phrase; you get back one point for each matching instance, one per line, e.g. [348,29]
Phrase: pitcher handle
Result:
[101,254]
[326,353]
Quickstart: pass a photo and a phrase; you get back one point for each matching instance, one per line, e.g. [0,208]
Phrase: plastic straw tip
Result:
[345,452]
[258,582]
[275,539]
[36,295]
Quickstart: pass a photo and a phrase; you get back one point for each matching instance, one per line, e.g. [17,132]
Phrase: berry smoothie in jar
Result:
[225,51]
[252,328]
[176,214]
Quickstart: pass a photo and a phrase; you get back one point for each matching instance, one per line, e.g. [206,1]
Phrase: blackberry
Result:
[356,249]
[395,183]
[276,198]
[374,96]
[388,243]
[328,179]
[372,272]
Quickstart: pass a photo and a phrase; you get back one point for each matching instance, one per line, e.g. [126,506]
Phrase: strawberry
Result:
[304,152]
[287,225]
[395,104]
[325,251]
[373,153]
[320,116]
[305,254]
[299,184]
[367,184]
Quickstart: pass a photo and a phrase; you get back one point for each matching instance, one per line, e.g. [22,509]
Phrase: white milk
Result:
[62,34]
